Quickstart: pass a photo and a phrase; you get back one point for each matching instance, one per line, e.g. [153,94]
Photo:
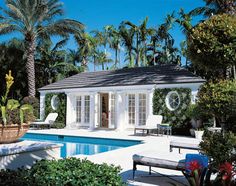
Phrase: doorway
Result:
[104,108]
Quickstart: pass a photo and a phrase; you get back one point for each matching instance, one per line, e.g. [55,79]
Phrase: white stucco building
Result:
[117,99]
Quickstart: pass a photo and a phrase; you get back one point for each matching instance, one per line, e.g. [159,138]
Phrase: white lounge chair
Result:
[192,144]
[151,124]
[50,119]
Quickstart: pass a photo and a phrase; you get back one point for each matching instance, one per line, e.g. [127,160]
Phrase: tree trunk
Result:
[30,67]
[137,52]
[116,56]
[94,63]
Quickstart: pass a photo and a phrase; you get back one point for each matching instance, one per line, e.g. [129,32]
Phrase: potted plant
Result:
[15,118]
[195,114]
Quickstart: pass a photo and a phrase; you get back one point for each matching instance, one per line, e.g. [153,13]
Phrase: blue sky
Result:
[97,13]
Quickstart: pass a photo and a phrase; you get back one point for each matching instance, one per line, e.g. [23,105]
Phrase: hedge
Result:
[70,171]
[176,118]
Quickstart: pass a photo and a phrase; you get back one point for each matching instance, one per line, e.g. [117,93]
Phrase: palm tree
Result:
[141,33]
[127,36]
[86,44]
[72,57]
[102,37]
[35,19]
[167,53]
[102,59]
[50,60]
[114,41]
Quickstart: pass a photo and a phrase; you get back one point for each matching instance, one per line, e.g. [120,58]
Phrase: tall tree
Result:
[114,41]
[86,44]
[127,36]
[103,59]
[166,53]
[35,19]
[73,57]
[50,61]
[141,32]
[11,58]
[218,7]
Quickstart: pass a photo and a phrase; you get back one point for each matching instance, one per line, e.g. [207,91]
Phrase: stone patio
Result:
[123,157]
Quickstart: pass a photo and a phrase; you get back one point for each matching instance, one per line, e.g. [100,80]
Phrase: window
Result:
[86,109]
[172,100]
[78,109]
[55,102]
[131,108]
[142,109]
[113,99]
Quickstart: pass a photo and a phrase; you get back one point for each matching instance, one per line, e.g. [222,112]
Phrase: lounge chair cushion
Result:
[193,144]
[162,160]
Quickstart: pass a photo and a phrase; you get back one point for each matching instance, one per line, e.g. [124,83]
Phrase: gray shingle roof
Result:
[163,74]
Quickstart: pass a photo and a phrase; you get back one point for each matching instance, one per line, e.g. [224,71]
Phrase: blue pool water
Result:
[74,145]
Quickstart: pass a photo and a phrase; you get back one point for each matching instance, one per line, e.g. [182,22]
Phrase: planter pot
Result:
[198,134]
[11,133]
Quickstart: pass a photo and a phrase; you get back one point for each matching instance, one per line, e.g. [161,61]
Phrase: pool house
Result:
[118,99]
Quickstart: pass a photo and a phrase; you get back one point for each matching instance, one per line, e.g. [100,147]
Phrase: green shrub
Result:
[218,146]
[211,44]
[34,102]
[218,99]
[58,125]
[71,171]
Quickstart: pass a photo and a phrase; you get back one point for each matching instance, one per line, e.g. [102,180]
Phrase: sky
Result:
[95,14]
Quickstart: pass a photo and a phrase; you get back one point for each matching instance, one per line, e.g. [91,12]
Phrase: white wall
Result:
[121,101]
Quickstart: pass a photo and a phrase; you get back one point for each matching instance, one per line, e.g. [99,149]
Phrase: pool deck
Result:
[123,157]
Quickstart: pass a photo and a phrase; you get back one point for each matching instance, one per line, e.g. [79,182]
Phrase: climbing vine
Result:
[61,108]
[177,117]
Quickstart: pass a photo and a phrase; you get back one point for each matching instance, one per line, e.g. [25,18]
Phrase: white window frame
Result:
[142,109]
[83,120]
[112,110]
[131,119]
[167,100]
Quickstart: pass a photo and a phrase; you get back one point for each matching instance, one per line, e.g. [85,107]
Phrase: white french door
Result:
[112,110]
[137,109]
[83,110]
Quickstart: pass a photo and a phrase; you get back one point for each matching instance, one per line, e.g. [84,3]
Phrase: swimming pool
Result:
[75,145]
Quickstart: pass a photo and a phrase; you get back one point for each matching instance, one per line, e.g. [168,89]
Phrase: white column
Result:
[92,111]
[69,111]
[42,105]
[150,102]
[120,113]
[96,110]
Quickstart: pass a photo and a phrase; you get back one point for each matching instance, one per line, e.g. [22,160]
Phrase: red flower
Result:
[227,170]
[193,166]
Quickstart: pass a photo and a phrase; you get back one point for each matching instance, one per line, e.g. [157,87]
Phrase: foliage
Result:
[195,172]
[211,44]
[61,109]
[12,58]
[217,98]
[34,102]
[220,147]
[71,171]
[214,7]
[11,110]
[176,118]
[213,144]
[194,112]
[39,18]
